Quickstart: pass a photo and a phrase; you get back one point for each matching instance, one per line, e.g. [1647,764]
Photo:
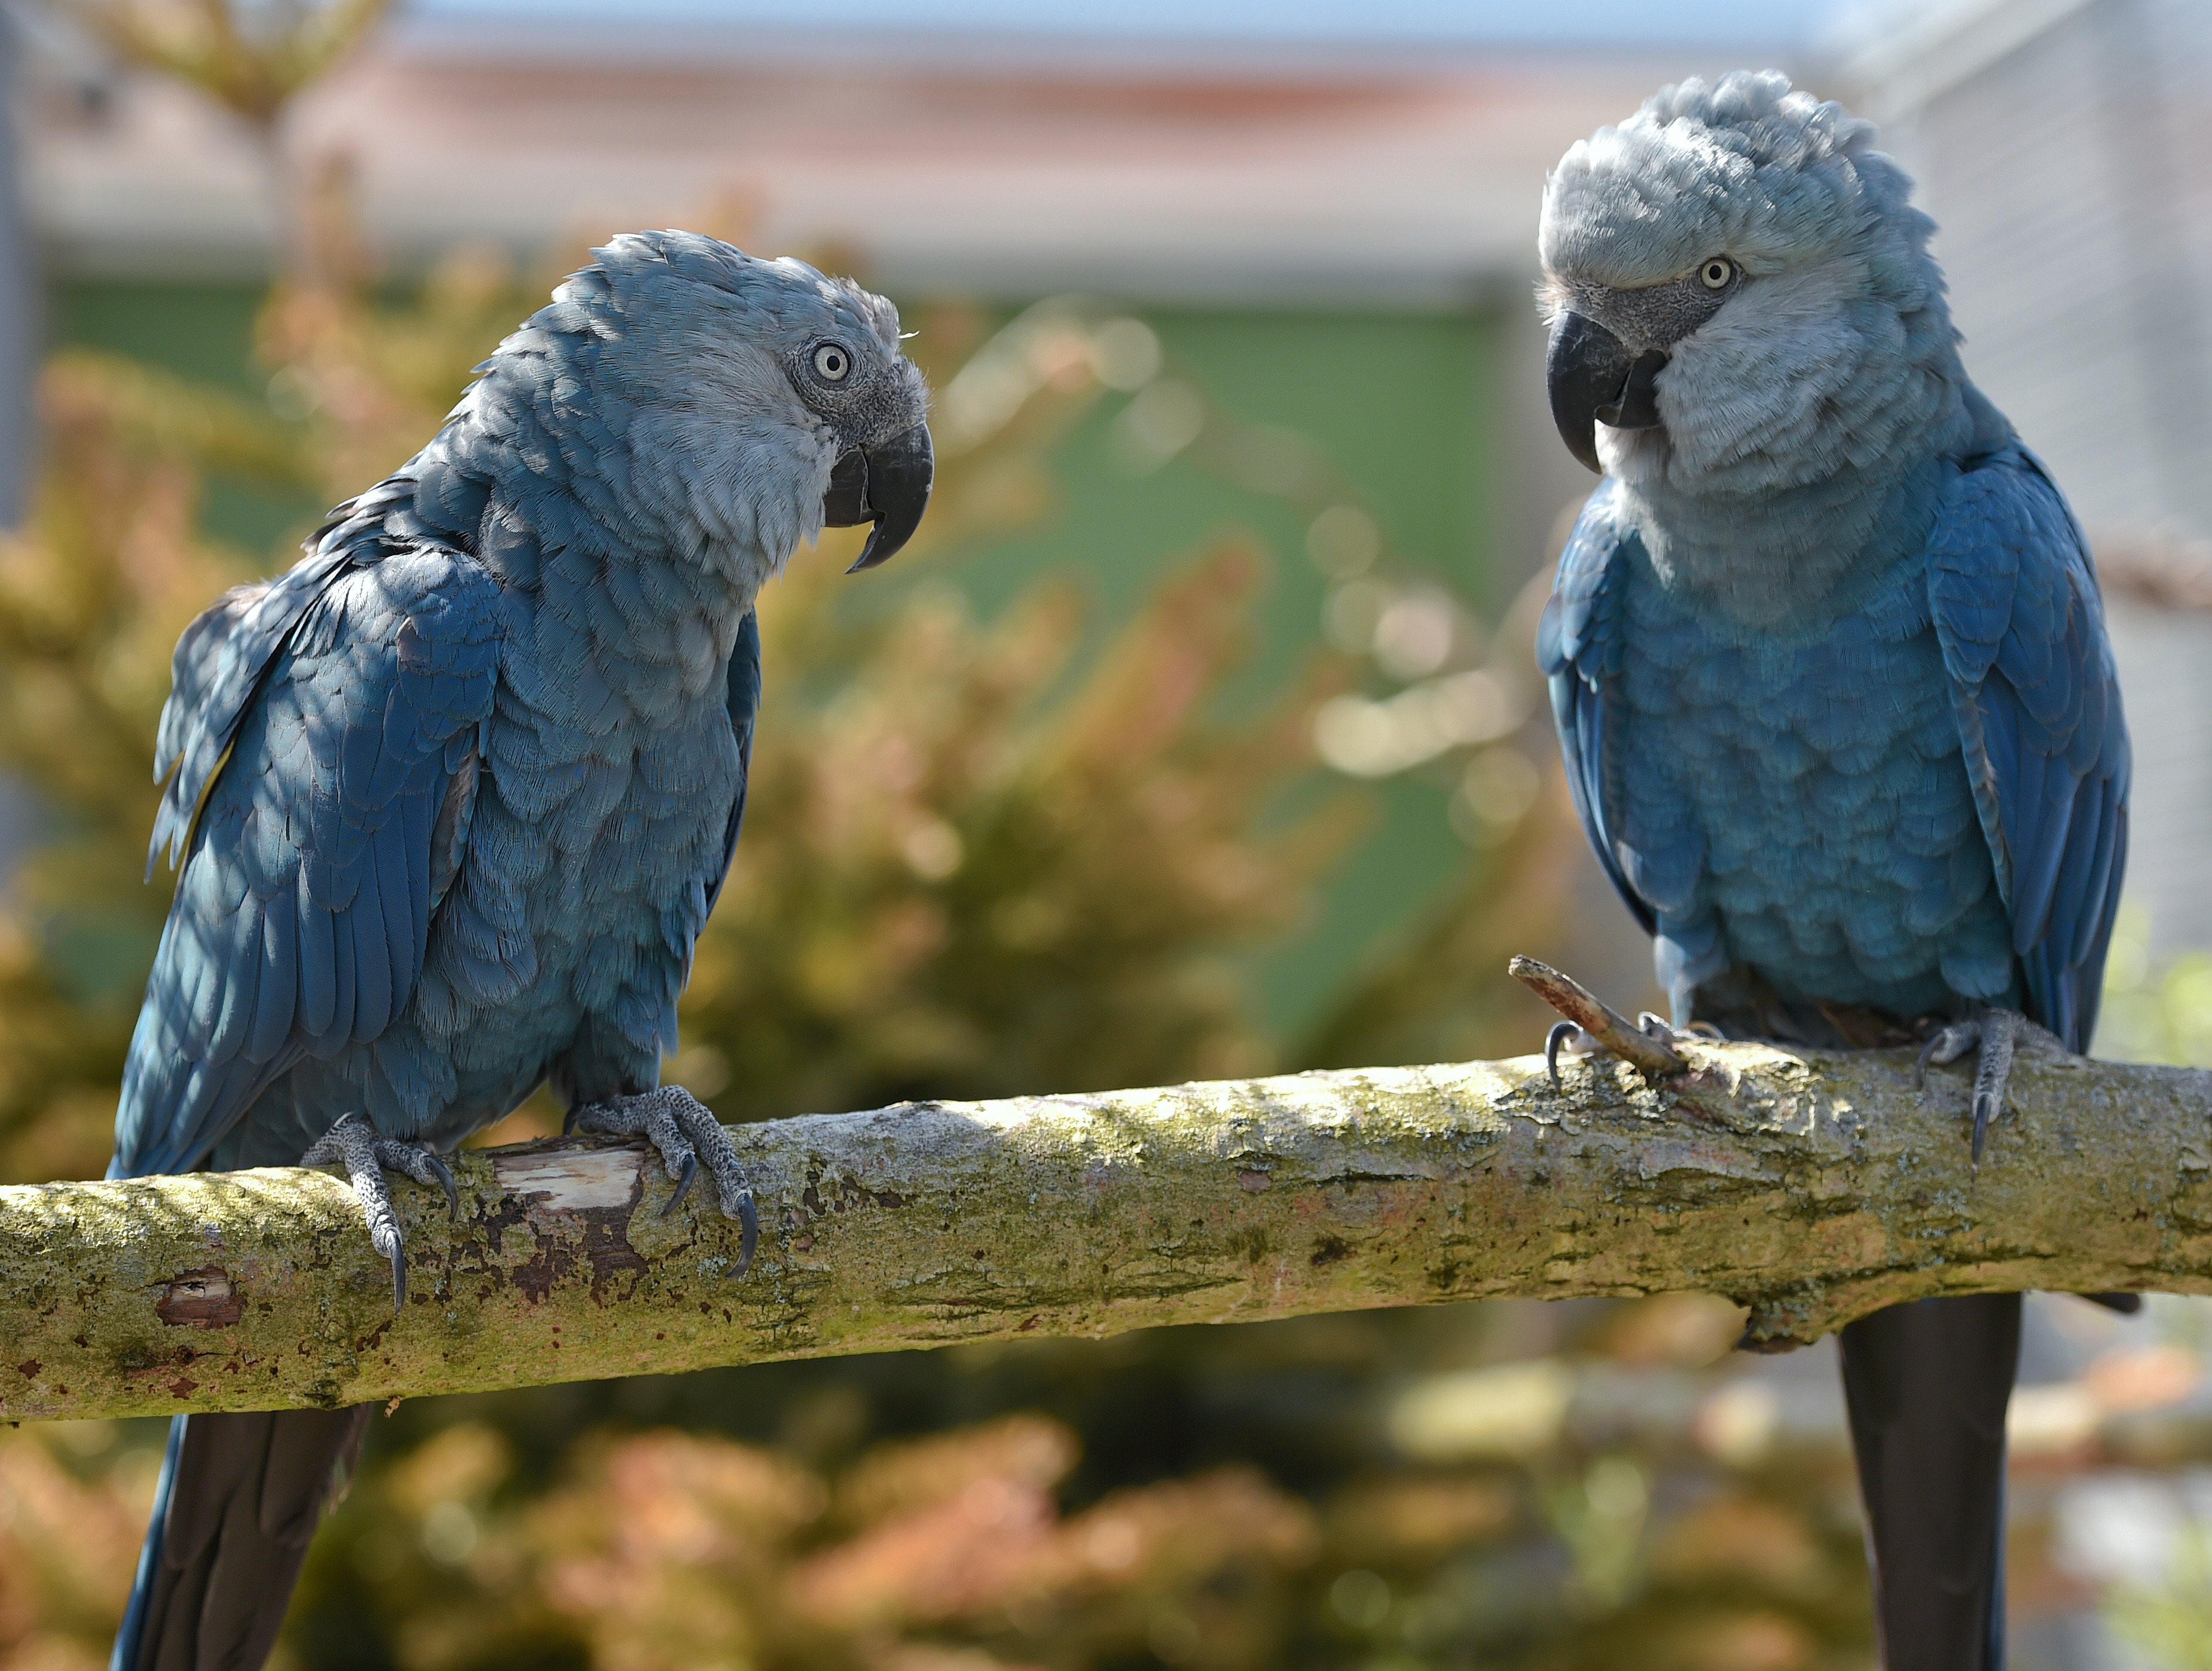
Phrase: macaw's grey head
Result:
[1741,297]
[726,406]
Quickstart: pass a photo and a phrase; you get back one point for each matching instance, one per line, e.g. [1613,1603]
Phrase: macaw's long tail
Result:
[1927,1385]
[238,1499]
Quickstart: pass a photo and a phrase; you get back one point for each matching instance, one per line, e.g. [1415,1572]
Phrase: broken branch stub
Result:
[1812,1187]
[1655,1057]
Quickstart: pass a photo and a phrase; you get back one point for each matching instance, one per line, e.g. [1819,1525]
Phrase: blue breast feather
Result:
[2006,591]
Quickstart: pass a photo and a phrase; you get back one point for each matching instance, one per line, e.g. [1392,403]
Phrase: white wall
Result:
[2071,178]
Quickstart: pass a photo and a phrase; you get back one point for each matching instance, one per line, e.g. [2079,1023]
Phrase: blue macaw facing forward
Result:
[1829,668]
[455,796]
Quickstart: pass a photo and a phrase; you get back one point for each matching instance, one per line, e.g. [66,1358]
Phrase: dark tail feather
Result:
[150,1556]
[238,1499]
[1927,1385]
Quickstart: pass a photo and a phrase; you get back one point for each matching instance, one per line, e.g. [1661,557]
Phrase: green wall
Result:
[1400,403]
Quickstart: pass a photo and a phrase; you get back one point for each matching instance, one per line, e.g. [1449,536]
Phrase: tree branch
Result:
[1811,1187]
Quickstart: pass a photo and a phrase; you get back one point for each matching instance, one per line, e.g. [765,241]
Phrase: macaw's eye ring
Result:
[1717,272]
[832,362]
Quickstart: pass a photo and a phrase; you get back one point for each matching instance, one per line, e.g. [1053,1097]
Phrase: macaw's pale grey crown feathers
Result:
[1742,300]
[783,295]
[1746,168]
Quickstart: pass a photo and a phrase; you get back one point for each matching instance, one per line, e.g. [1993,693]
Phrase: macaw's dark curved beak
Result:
[1593,380]
[887,484]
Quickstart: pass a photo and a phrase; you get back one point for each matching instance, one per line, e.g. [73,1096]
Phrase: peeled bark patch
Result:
[200,1299]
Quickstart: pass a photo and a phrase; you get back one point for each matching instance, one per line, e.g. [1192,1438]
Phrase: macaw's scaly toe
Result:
[353,1142]
[686,1133]
[1994,1033]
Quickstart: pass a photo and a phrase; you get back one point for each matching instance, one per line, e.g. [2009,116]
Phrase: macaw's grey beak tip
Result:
[1592,380]
[887,484]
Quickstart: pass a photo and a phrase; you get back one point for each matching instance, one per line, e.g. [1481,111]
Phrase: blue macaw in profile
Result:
[1829,667]
[453,798]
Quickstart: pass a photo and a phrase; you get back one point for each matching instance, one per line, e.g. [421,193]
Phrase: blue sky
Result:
[1473,23]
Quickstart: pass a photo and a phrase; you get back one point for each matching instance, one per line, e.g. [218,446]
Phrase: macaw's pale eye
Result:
[1717,272]
[832,362]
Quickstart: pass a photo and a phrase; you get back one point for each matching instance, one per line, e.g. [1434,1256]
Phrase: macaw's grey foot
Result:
[366,1157]
[1995,1033]
[687,1134]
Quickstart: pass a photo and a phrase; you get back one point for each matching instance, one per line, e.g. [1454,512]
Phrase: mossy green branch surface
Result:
[1812,1188]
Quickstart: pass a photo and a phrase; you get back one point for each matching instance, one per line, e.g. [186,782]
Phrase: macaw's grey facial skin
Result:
[1830,672]
[453,797]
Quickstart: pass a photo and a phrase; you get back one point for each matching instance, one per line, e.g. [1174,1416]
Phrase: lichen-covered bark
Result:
[1811,1187]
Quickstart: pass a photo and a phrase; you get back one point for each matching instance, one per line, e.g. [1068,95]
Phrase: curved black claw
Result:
[748,1235]
[683,1185]
[687,1135]
[445,1176]
[1561,1033]
[1945,1047]
[398,1277]
[1920,1065]
[421,1165]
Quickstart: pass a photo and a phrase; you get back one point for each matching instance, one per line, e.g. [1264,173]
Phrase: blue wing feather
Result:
[2016,608]
[218,663]
[314,739]
[223,656]
[1578,651]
